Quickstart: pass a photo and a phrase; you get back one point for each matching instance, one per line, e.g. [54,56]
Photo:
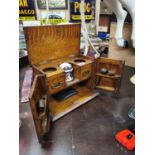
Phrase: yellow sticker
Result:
[78,17]
[53,21]
[27,18]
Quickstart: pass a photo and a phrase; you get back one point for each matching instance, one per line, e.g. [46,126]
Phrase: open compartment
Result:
[79,61]
[60,108]
[108,74]
[49,69]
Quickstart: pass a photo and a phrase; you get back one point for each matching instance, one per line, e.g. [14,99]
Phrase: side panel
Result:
[39,106]
[36,71]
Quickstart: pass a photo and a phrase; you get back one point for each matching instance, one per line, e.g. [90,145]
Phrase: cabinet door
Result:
[108,74]
[39,106]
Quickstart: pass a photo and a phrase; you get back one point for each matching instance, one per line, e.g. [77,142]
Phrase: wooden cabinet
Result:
[50,46]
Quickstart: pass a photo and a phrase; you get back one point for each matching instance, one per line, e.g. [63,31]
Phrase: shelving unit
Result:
[106,81]
[108,76]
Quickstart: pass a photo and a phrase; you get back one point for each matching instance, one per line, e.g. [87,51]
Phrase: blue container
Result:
[102,35]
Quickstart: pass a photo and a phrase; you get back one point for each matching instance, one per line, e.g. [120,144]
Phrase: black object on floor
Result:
[66,93]
[131,127]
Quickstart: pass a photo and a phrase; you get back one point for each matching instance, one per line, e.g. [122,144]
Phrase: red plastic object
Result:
[126,138]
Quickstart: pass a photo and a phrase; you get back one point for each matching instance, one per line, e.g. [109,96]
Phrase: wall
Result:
[66,11]
[127,54]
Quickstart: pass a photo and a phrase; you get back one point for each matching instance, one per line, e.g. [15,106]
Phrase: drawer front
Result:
[56,83]
[76,72]
[85,72]
[58,77]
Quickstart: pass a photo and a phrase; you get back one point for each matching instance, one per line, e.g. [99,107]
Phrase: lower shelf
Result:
[61,108]
[106,88]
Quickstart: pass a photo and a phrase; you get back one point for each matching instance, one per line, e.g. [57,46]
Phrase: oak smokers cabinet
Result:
[48,47]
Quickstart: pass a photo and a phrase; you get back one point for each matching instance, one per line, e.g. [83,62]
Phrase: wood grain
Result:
[111,64]
[52,42]
[81,71]
[61,108]
[41,119]
[109,82]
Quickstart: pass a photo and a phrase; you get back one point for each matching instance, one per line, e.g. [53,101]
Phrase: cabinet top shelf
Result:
[108,76]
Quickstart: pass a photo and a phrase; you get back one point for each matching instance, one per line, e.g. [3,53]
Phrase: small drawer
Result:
[85,72]
[56,87]
[56,83]
[76,72]
[55,78]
